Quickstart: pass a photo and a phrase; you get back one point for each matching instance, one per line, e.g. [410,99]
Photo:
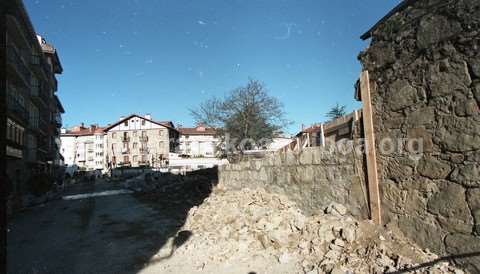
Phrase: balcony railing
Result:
[15,58]
[16,108]
[43,125]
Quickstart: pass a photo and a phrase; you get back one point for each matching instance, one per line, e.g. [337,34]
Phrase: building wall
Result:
[84,151]
[30,85]
[198,145]
[424,66]
[126,143]
[68,149]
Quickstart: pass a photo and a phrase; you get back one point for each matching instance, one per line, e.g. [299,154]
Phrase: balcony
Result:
[16,61]
[38,92]
[125,139]
[16,109]
[43,126]
[143,139]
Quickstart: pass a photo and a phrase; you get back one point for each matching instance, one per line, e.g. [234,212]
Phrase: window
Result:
[125,159]
[135,158]
[114,135]
[126,123]
[160,144]
[135,133]
[160,132]
[134,145]
[143,122]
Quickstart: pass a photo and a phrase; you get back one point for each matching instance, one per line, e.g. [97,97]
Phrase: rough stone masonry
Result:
[313,178]
[424,65]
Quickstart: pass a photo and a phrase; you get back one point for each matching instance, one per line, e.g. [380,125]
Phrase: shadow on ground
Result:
[175,201]
[108,234]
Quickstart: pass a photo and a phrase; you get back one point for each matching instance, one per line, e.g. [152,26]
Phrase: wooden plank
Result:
[372,175]
[322,136]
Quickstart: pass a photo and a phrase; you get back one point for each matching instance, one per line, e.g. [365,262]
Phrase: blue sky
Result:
[166,56]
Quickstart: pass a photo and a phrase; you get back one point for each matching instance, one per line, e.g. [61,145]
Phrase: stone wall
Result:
[424,65]
[313,178]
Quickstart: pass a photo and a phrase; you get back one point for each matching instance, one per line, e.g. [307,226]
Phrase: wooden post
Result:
[322,136]
[373,189]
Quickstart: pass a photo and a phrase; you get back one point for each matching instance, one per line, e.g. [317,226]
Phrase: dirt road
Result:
[107,234]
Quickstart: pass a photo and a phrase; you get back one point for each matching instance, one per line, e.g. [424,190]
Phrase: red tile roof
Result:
[199,130]
[83,131]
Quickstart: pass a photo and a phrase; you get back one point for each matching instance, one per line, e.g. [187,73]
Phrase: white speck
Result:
[200,22]
[141,73]
[148,61]
[289,27]
[121,46]
[200,74]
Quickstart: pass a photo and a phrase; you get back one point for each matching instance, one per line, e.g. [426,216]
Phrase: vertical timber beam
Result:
[322,135]
[373,189]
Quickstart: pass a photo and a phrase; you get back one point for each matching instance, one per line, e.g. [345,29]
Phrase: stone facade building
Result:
[424,66]
[199,141]
[33,109]
[140,141]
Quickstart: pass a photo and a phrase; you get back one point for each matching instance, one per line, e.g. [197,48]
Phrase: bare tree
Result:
[246,113]
[337,111]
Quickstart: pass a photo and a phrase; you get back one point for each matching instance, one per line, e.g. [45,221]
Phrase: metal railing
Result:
[15,58]
[16,108]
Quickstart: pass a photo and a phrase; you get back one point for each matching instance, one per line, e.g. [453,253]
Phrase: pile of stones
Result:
[234,224]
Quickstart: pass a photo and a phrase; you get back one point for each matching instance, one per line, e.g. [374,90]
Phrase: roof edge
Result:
[400,7]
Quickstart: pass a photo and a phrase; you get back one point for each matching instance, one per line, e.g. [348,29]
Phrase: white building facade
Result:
[83,148]
[198,142]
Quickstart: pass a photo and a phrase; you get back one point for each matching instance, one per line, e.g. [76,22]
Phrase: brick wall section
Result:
[313,178]
[424,64]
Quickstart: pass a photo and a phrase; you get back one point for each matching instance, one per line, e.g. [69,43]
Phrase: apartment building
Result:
[83,148]
[140,141]
[33,110]
[199,141]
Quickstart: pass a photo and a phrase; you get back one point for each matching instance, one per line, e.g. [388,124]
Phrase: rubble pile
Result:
[231,225]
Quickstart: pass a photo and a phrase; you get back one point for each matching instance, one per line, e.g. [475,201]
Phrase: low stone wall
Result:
[313,178]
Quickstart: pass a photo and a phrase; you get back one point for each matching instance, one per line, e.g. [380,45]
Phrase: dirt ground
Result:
[190,227]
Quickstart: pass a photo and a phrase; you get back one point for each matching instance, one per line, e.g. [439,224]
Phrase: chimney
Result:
[82,125]
[93,128]
[63,130]
[148,116]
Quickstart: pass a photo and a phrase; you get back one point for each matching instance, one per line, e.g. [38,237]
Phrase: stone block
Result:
[435,28]
[467,175]
[421,117]
[451,204]
[306,157]
[424,136]
[401,95]
[464,244]
[424,231]
[433,168]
